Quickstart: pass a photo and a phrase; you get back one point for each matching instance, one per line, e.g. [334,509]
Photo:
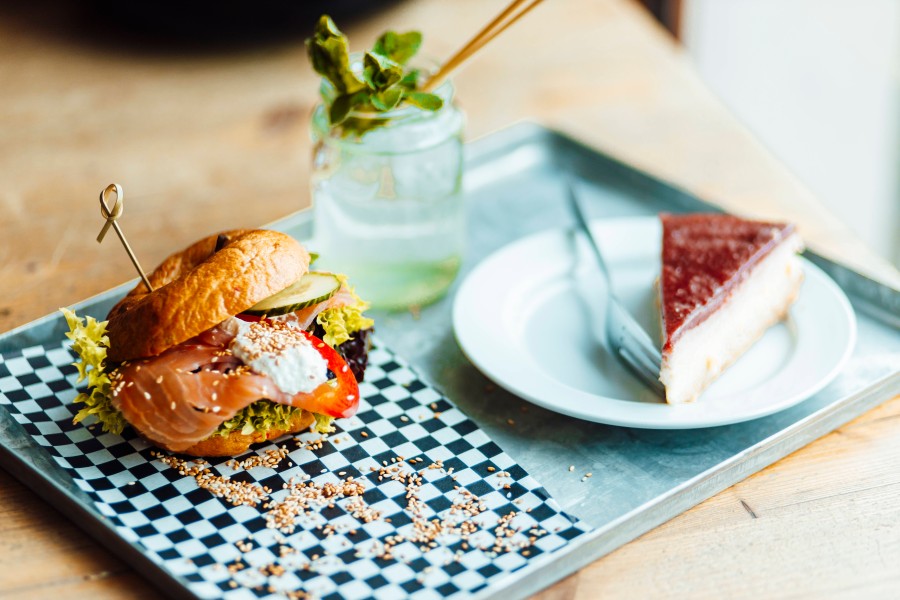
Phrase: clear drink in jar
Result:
[388,204]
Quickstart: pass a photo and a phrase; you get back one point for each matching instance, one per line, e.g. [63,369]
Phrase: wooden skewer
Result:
[111,215]
[483,40]
[497,26]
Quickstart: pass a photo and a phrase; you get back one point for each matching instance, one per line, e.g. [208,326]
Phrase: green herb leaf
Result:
[424,100]
[329,54]
[399,47]
[382,85]
[410,80]
[380,72]
[340,108]
[387,99]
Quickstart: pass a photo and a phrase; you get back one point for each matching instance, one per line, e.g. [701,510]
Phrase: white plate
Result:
[530,317]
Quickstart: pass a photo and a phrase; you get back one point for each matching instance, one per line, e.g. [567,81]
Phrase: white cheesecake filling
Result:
[280,352]
[703,352]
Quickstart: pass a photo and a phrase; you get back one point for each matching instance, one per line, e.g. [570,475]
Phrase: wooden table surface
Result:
[204,141]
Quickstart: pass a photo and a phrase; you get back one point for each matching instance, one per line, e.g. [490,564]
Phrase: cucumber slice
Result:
[307,291]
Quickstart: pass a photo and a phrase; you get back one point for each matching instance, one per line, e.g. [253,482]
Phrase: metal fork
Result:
[627,340]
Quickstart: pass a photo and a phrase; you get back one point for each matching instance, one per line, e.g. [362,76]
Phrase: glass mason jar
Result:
[387,202]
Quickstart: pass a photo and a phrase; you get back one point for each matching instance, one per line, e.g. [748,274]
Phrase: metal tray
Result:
[641,478]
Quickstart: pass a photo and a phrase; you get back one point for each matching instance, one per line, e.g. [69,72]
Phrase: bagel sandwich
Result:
[237,343]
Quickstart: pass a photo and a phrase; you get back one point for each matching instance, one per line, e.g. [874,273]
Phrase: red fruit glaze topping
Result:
[704,256]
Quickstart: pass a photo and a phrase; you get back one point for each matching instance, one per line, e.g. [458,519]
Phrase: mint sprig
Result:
[384,83]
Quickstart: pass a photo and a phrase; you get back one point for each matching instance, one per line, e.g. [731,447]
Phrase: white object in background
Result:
[818,82]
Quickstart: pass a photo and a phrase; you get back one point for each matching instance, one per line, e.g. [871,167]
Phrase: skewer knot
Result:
[111,214]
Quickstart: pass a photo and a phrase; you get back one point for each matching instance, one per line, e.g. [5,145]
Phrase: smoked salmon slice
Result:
[182,396]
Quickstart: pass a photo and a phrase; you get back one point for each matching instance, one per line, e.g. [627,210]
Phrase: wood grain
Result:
[821,523]
[207,141]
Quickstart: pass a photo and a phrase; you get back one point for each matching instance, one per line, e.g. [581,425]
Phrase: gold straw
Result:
[497,26]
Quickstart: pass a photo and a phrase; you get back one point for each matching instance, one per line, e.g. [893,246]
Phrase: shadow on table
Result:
[172,27]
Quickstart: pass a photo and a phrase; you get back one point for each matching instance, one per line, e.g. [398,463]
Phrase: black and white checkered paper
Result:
[193,534]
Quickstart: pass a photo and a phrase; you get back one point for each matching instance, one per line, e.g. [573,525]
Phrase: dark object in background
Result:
[668,13]
[206,22]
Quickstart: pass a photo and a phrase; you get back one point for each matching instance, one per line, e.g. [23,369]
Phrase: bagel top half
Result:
[200,287]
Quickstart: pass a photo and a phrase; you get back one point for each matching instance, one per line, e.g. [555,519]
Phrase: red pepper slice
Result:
[338,397]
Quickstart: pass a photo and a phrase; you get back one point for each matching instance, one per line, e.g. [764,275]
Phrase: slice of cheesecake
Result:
[724,282]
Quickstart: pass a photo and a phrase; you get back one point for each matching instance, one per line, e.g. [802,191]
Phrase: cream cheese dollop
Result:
[279,351]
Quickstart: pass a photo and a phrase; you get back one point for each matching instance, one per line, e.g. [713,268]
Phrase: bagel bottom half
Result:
[236,443]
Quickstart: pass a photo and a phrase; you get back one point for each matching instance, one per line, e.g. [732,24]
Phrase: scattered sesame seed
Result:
[235,492]
[304,498]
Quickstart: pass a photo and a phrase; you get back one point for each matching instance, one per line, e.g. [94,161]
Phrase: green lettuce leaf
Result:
[323,423]
[262,415]
[340,323]
[89,341]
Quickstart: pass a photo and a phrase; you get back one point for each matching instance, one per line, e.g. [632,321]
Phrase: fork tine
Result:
[627,340]
[633,346]
[575,209]
[641,370]
[629,333]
